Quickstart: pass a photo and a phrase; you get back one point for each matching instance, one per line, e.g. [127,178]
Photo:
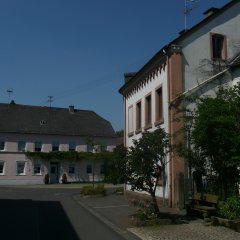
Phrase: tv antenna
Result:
[188,7]
[9,92]
[50,100]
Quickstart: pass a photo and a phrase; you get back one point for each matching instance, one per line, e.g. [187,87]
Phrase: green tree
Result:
[115,167]
[216,138]
[119,133]
[146,163]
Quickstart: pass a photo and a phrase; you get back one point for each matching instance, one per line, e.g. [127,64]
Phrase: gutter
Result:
[199,85]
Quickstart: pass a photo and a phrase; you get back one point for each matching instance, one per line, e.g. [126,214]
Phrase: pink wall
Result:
[10,156]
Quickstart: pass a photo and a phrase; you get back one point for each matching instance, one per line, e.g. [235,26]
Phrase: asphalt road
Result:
[44,214]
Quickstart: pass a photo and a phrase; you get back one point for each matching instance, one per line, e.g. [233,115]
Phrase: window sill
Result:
[148,126]
[21,174]
[138,131]
[130,134]
[158,122]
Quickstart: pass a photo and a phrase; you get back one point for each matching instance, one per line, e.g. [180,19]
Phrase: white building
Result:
[197,61]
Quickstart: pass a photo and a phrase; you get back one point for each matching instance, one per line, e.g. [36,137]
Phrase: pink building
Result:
[43,129]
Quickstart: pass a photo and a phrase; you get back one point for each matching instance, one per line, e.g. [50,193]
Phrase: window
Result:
[38,146]
[37,169]
[138,116]
[55,146]
[159,105]
[72,146]
[218,45]
[89,169]
[148,111]
[20,168]
[21,146]
[2,145]
[2,164]
[71,169]
[130,121]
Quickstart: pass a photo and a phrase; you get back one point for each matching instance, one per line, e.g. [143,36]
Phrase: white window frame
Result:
[130,121]
[24,169]
[3,168]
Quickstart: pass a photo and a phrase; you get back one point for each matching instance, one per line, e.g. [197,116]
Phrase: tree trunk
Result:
[154,203]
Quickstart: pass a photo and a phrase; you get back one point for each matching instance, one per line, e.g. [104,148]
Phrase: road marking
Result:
[114,206]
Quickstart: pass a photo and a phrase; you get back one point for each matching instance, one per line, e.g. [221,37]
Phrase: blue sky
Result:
[78,50]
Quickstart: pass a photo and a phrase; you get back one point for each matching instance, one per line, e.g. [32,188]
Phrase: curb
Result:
[127,235]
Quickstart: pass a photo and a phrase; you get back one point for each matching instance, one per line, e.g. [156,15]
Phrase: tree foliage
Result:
[116,166]
[216,138]
[146,162]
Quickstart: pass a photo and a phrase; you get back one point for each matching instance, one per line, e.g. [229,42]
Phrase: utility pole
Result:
[9,92]
[50,100]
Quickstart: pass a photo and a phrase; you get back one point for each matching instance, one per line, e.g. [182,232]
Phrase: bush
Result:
[90,190]
[231,208]
[119,190]
[145,210]
[46,179]
[64,178]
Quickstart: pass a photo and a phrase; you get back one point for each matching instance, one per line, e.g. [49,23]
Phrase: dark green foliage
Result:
[145,210]
[67,155]
[90,190]
[115,166]
[146,162]
[46,179]
[119,190]
[64,178]
[231,208]
[119,133]
[215,140]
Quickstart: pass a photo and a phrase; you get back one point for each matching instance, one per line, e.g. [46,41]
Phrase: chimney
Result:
[210,11]
[71,109]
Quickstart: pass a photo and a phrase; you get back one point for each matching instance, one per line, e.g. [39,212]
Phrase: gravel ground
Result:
[191,231]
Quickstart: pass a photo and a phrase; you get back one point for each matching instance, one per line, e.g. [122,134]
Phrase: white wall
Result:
[158,80]
[196,48]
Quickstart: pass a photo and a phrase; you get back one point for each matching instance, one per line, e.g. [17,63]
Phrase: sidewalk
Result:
[115,211]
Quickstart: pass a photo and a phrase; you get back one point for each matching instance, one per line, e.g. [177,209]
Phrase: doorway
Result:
[54,172]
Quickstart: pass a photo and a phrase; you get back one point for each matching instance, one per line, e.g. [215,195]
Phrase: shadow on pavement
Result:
[34,220]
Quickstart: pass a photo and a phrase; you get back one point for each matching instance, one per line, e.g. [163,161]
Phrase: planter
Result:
[233,224]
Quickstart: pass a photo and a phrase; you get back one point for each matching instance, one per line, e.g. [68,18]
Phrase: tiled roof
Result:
[15,118]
